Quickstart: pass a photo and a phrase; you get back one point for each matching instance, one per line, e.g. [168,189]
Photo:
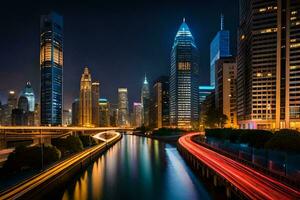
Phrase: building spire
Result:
[222,21]
[145,81]
[183,20]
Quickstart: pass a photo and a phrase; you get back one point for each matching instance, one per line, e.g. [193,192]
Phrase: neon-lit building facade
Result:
[184,80]
[85,99]
[219,47]
[123,109]
[269,64]
[51,66]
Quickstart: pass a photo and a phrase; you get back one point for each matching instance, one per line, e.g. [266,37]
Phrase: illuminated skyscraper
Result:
[269,64]
[104,112]
[160,103]
[85,100]
[225,93]
[184,80]
[219,47]
[29,94]
[95,103]
[51,65]
[137,114]
[75,112]
[145,100]
[123,111]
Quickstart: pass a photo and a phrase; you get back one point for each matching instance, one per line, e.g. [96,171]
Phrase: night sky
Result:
[118,41]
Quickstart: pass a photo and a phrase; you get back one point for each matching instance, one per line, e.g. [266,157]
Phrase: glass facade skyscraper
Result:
[184,80]
[145,100]
[123,109]
[51,66]
[29,94]
[219,47]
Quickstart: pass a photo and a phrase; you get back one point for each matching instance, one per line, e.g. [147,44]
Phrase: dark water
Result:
[137,168]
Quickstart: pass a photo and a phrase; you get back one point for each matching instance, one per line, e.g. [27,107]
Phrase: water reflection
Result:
[137,168]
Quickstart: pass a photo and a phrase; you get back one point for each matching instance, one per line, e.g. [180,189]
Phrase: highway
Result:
[28,185]
[252,183]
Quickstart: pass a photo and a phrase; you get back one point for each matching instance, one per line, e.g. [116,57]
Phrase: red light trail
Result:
[252,183]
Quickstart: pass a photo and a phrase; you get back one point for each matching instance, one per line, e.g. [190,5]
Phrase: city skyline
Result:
[137,62]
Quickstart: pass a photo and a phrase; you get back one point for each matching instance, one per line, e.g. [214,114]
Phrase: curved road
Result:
[252,183]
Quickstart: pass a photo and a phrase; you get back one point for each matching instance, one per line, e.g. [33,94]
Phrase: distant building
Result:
[18,117]
[23,104]
[123,109]
[205,106]
[219,47]
[12,100]
[104,112]
[184,80]
[95,103]
[85,99]
[160,103]
[114,114]
[137,114]
[37,115]
[268,64]
[6,109]
[225,89]
[145,100]
[204,91]
[29,94]
[75,112]
[67,117]
[51,65]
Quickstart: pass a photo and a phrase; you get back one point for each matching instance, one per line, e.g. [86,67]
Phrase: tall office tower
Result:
[104,112]
[67,117]
[51,65]
[29,94]
[160,103]
[225,89]
[268,64]
[184,80]
[123,110]
[219,47]
[23,103]
[37,115]
[75,112]
[145,100]
[95,103]
[114,114]
[137,114]
[12,100]
[85,99]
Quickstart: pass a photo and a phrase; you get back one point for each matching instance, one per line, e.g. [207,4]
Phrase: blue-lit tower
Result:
[51,66]
[184,80]
[219,47]
[28,93]
[145,100]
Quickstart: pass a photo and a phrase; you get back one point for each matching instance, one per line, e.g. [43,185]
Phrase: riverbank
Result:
[58,175]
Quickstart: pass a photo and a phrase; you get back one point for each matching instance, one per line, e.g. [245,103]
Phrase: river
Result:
[137,168]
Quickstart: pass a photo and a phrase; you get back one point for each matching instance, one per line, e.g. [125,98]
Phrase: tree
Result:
[215,118]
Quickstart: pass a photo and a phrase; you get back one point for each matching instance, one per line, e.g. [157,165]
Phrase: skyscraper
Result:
[137,114]
[269,64]
[219,47]
[145,100]
[85,99]
[123,110]
[104,112]
[160,103]
[225,89]
[75,112]
[29,94]
[184,80]
[95,103]
[51,65]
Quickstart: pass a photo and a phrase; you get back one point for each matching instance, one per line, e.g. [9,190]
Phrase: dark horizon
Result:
[115,40]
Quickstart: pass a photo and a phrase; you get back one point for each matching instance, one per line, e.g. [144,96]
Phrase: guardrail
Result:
[44,181]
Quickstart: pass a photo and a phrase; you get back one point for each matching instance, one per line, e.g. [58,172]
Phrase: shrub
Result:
[71,144]
[30,158]
[87,140]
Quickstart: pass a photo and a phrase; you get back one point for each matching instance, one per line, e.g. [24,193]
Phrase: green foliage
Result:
[71,144]
[142,129]
[285,140]
[167,131]
[214,118]
[30,158]
[87,140]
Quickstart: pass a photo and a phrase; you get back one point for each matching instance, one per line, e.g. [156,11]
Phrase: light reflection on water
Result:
[137,168]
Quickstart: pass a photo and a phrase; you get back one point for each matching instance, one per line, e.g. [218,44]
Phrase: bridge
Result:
[11,136]
[249,183]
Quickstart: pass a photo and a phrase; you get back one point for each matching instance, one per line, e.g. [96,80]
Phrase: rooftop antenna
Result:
[222,22]
[183,19]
